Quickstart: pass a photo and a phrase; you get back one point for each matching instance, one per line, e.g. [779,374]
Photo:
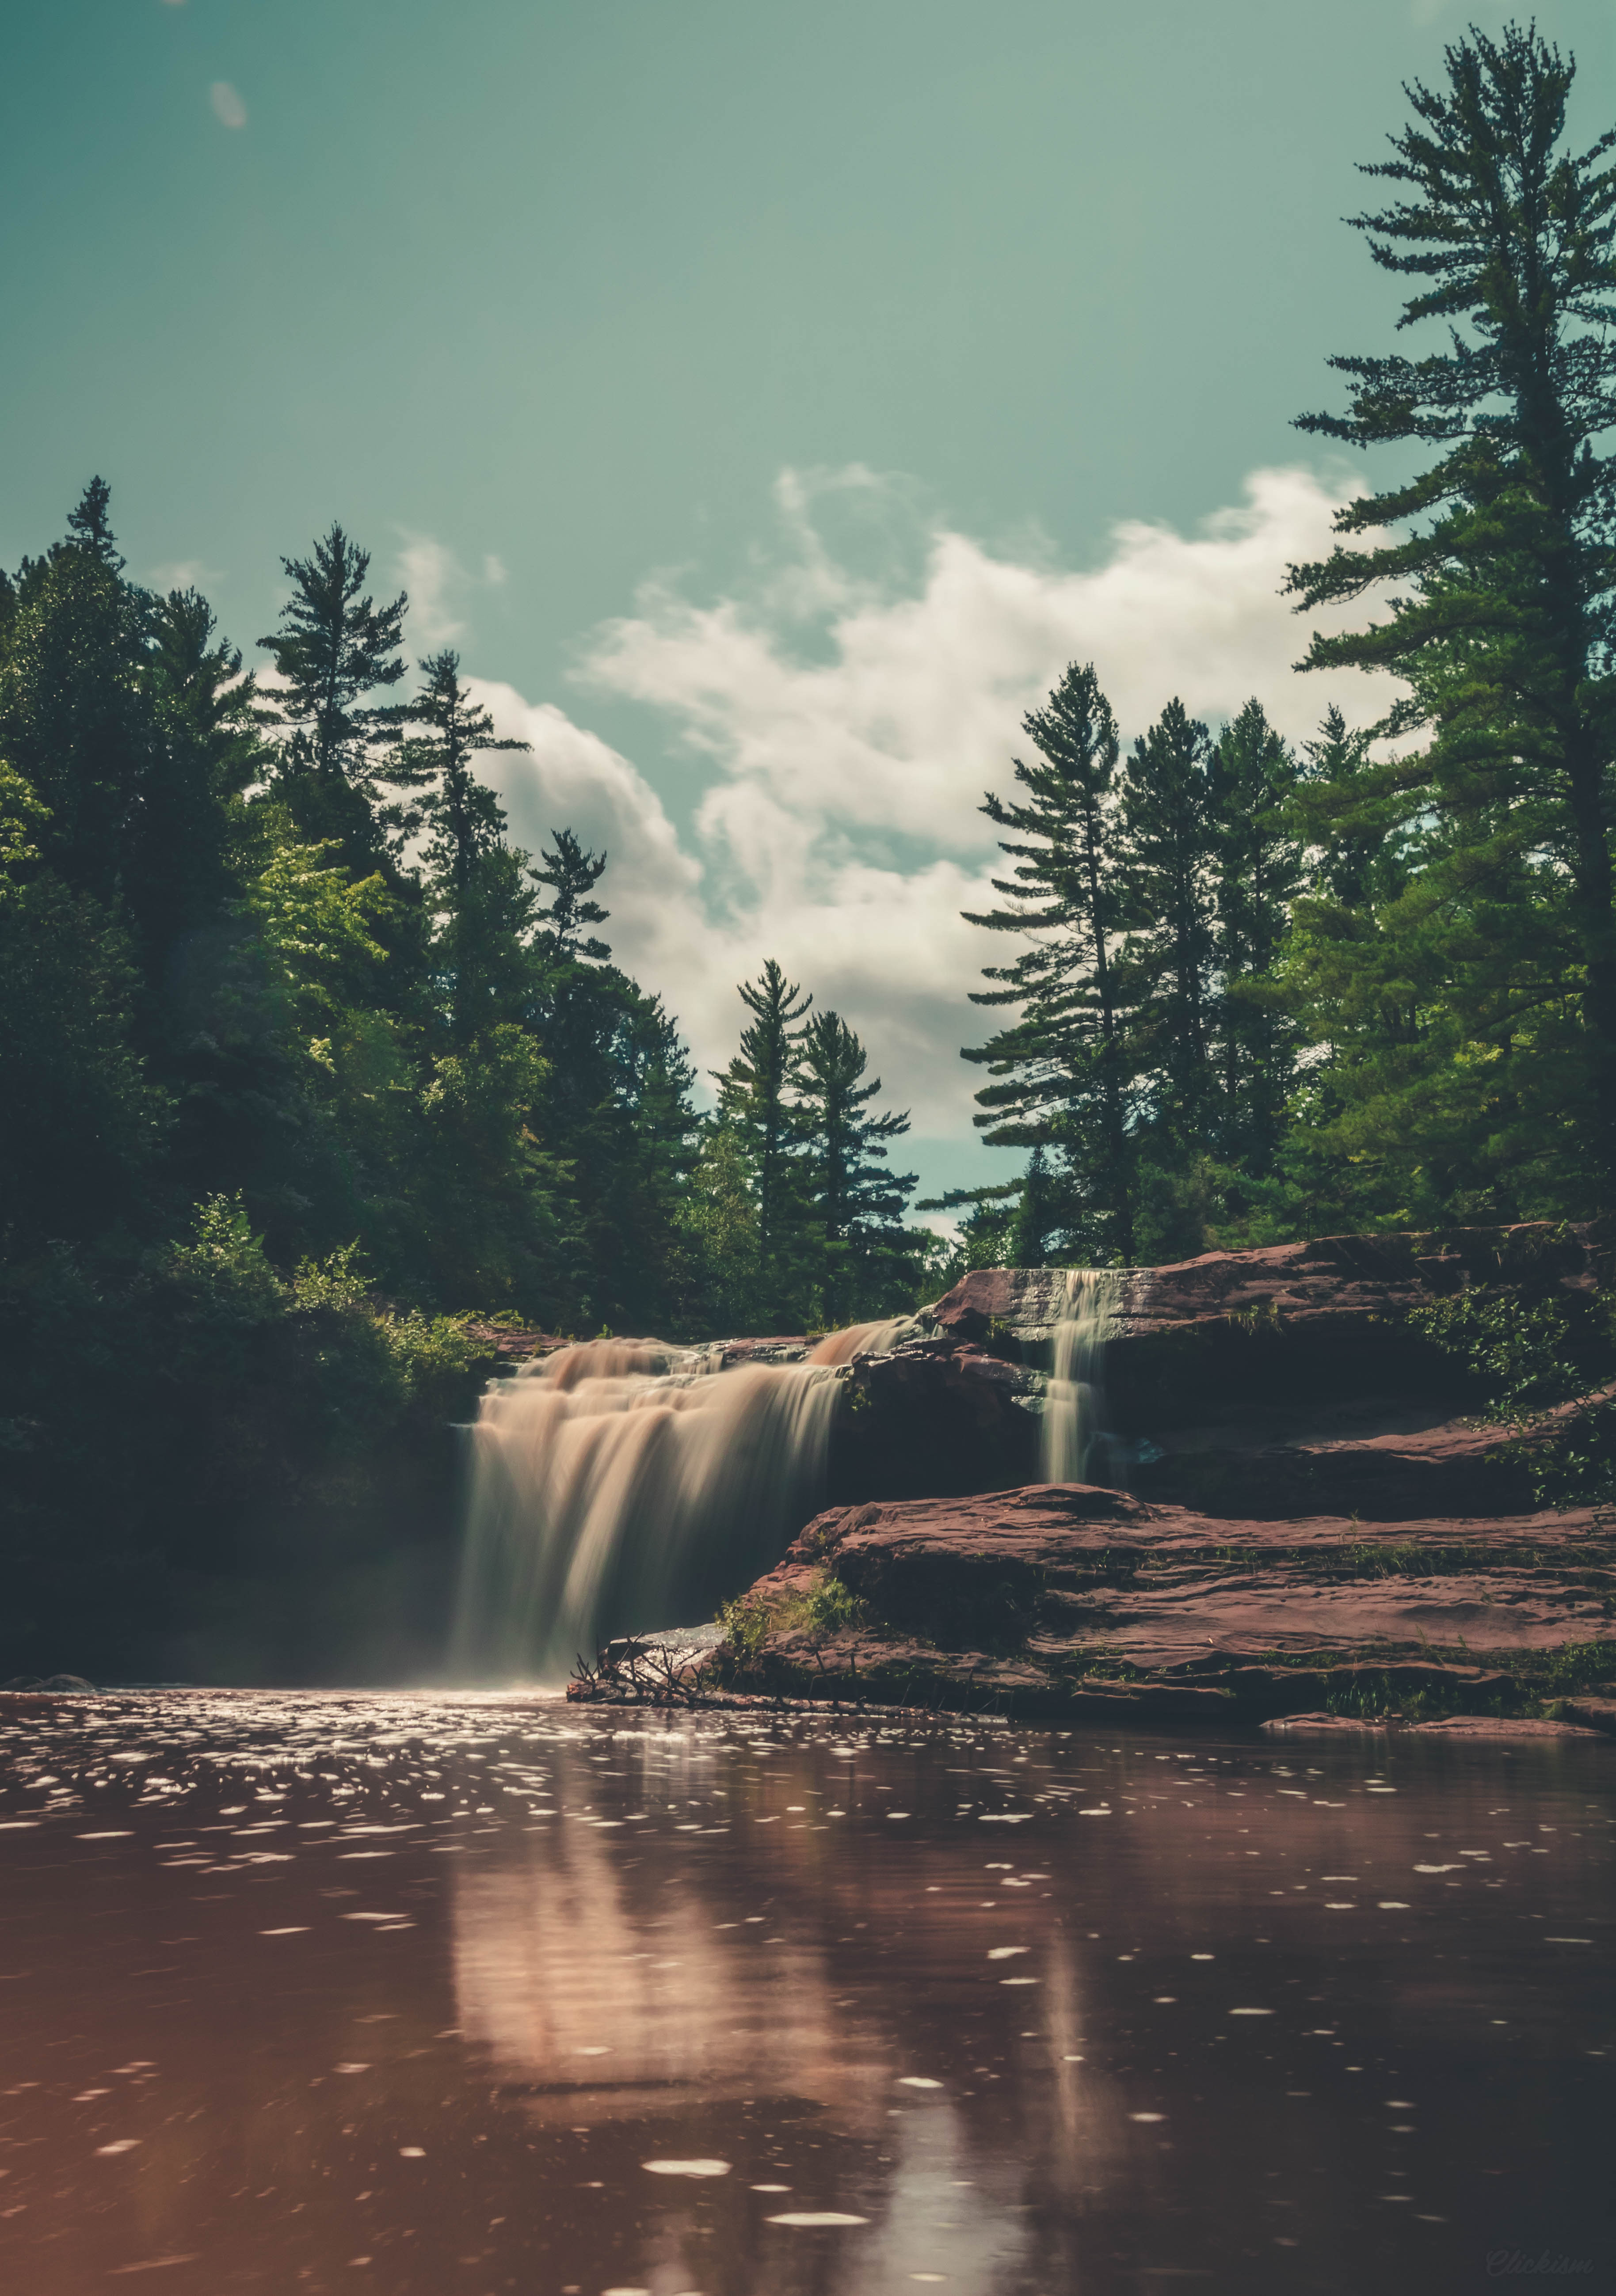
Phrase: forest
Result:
[308,1076]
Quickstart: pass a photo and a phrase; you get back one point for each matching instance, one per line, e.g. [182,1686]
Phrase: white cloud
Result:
[227,106]
[840,831]
[437,584]
[181,574]
[849,729]
[429,571]
[918,706]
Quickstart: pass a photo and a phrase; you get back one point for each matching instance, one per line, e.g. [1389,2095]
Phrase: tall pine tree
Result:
[859,1202]
[477,885]
[1060,1069]
[1170,819]
[1258,861]
[1500,621]
[335,647]
[757,1096]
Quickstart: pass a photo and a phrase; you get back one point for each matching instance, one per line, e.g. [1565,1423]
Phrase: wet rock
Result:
[1310,1320]
[931,1419]
[1593,1713]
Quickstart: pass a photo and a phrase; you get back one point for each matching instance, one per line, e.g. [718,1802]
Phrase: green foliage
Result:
[1155,1055]
[1059,1070]
[1374,986]
[1544,1365]
[824,1609]
[1471,1008]
[335,647]
[81,1125]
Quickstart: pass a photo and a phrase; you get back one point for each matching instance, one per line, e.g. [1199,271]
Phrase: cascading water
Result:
[1072,1436]
[621,1486]
[862,1340]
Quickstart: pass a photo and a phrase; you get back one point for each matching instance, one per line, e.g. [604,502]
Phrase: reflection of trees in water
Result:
[613,1994]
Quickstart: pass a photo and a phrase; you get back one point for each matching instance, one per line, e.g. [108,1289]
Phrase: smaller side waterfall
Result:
[620,1486]
[1072,1435]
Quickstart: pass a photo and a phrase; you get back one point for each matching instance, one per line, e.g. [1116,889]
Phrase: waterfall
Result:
[862,1340]
[621,1485]
[1072,1430]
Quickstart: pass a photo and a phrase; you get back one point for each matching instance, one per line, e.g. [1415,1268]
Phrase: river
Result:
[463,1995]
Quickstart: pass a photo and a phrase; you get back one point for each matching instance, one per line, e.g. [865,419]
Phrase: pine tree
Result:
[335,647]
[756,1095]
[1171,846]
[858,1203]
[1502,617]
[89,524]
[477,885]
[1040,1216]
[1061,1070]
[183,872]
[75,717]
[571,874]
[1259,862]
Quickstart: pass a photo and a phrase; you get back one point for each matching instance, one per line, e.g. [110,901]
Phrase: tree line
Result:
[1266,992]
[267,941]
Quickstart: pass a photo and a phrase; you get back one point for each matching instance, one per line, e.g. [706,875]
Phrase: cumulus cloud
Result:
[849,729]
[913,703]
[228,108]
[437,584]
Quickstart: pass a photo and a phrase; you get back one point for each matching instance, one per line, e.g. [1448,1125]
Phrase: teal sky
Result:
[567,287]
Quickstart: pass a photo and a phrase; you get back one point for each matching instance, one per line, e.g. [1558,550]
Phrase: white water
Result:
[1072,1430]
[620,1486]
[862,1340]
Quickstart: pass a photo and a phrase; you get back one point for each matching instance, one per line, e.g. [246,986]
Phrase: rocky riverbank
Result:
[1302,1520]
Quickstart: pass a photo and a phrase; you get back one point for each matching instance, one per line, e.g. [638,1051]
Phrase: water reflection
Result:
[430,1995]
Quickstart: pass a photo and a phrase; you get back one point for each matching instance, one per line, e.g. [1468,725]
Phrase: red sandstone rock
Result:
[1089,1593]
[1337,1276]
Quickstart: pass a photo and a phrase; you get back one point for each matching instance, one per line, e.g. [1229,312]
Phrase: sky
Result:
[767,401]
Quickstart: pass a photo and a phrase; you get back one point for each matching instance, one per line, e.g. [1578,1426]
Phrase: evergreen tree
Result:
[336,646]
[756,1095]
[1171,846]
[571,874]
[1501,623]
[1061,1068]
[615,1115]
[89,524]
[1040,1216]
[184,867]
[1259,860]
[858,1202]
[475,883]
[76,716]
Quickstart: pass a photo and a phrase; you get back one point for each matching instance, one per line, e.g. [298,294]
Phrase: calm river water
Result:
[456,1997]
